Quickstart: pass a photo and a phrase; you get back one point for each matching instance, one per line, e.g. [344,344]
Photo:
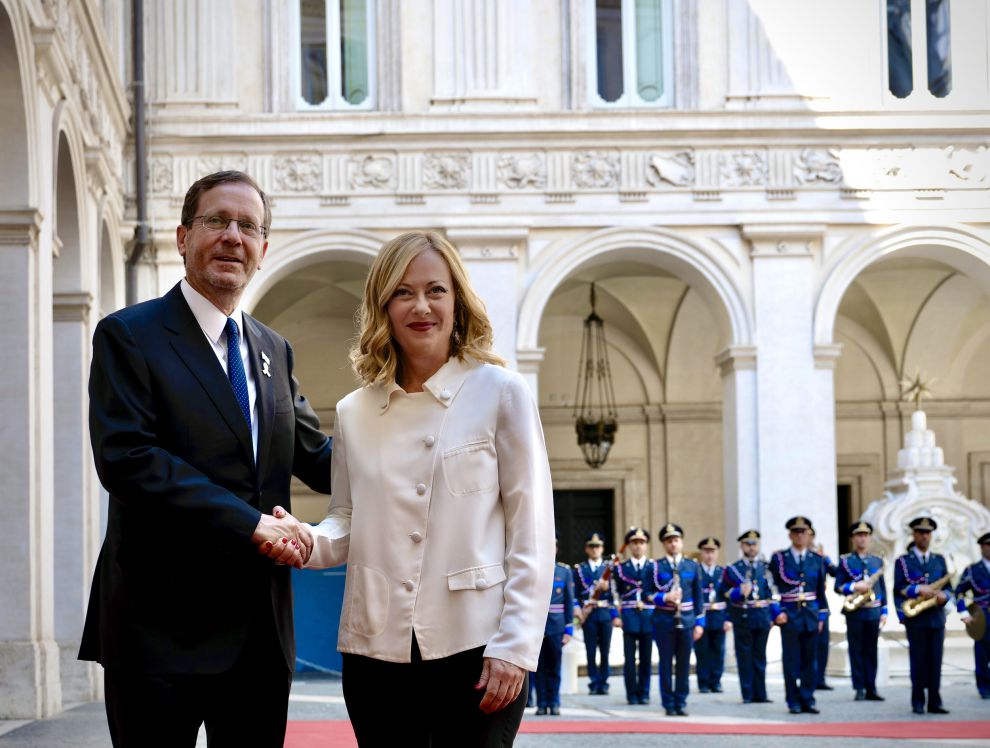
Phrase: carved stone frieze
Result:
[595,170]
[372,172]
[814,165]
[297,174]
[745,168]
[446,171]
[519,171]
[673,167]
[160,174]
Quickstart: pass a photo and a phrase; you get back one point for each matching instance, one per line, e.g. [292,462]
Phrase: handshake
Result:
[283,538]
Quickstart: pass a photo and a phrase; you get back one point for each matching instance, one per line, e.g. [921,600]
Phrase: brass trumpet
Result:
[917,605]
[675,584]
[857,600]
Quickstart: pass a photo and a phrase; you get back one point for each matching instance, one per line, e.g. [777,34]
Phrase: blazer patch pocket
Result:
[366,607]
[476,578]
[471,468]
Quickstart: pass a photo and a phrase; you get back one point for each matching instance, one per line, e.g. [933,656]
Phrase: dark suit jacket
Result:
[178,584]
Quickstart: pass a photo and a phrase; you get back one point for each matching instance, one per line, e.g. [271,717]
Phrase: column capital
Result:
[783,239]
[529,359]
[20,227]
[827,355]
[71,306]
[488,244]
[736,358]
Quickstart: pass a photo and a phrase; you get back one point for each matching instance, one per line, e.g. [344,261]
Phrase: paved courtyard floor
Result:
[318,718]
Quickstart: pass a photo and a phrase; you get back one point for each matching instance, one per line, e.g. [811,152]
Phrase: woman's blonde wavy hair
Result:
[375,356]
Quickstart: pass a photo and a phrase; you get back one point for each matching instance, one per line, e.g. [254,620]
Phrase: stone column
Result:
[795,420]
[29,688]
[483,53]
[528,362]
[737,365]
[492,259]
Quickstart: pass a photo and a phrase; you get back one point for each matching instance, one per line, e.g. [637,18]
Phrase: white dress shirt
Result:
[213,323]
[922,557]
[442,509]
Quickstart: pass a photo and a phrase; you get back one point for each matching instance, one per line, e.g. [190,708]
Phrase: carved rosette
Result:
[673,167]
[372,172]
[746,168]
[297,174]
[446,171]
[520,171]
[595,170]
[813,166]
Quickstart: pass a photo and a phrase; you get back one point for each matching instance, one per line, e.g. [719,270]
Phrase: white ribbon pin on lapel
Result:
[265,361]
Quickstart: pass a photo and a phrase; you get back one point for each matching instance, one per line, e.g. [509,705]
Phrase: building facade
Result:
[785,208]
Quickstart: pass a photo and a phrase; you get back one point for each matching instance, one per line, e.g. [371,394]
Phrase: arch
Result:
[309,249]
[960,247]
[18,119]
[684,257]
[110,254]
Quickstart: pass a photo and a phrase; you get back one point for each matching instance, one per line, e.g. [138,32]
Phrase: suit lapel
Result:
[194,349]
[263,385]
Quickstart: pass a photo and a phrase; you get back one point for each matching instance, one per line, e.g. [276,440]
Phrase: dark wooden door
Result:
[844,506]
[578,513]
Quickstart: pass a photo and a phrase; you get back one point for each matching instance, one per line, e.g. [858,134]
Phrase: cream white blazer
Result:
[442,508]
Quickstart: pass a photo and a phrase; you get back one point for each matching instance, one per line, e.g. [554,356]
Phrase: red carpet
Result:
[338,733]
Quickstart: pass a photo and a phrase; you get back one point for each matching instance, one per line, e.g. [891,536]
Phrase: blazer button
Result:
[408,584]
[416,537]
[481,583]
[430,440]
[420,488]
[445,394]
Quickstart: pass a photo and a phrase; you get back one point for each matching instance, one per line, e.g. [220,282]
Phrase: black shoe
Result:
[671,712]
[555,710]
[860,695]
[681,711]
[824,687]
[937,710]
[794,710]
[747,701]
[644,700]
[918,709]
[541,711]
[716,689]
[704,690]
[809,710]
[985,695]
[874,696]
[762,701]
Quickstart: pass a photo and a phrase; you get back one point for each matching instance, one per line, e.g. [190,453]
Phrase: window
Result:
[900,60]
[630,52]
[335,65]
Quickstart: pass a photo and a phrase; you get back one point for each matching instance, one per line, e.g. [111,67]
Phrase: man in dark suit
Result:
[710,648]
[190,619]
[636,619]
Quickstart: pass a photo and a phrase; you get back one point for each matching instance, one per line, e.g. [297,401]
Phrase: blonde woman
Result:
[441,507]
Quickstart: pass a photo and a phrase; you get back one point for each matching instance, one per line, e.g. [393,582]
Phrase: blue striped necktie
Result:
[235,370]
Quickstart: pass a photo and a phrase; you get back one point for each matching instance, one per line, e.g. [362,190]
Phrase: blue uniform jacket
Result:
[637,610]
[909,572]
[711,593]
[658,583]
[853,568]
[759,609]
[585,580]
[801,588]
[975,579]
[561,616]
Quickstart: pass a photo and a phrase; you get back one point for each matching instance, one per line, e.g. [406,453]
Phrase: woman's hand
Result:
[502,682]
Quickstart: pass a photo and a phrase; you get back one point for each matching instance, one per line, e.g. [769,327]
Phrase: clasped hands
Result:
[283,538]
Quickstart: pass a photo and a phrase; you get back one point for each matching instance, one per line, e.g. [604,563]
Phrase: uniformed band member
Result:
[597,611]
[863,624]
[976,579]
[559,630]
[751,611]
[674,586]
[636,616]
[799,575]
[915,574]
[831,569]
[710,648]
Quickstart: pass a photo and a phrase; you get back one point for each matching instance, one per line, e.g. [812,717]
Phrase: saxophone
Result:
[675,584]
[857,600]
[917,605]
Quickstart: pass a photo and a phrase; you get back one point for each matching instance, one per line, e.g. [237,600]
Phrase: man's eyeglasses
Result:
[220,223]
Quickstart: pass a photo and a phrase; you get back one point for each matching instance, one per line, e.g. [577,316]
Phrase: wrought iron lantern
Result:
[594,407]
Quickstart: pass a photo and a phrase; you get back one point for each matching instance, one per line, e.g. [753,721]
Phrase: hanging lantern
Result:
[594,407]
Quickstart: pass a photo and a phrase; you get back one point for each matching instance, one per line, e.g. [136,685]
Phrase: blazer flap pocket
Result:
[476,578]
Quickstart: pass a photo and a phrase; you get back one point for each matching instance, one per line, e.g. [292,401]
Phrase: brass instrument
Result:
[977,627]
[675,584]
[596,594]
[857,600]
[917,605]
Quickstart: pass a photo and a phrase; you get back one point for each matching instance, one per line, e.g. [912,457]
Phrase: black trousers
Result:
[710,653]
[863,636]
[800,660]
[548,671]
[637,676]
[425,703]
[751,660]
[245,706]
[925,649]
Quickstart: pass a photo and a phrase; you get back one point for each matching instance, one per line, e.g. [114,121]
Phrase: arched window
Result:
[900,43]
[336,50]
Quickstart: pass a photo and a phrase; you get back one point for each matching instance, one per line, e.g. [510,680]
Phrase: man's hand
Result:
[283,538]
[883,621]
[821,626]
[567,638]
[941,598]
[781,618]
[727,626]
[617,623]
[697,633]
[673,597]
[602,585]
[861,586]
[925,591]
[745,588]
[502,682]
[967,620]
